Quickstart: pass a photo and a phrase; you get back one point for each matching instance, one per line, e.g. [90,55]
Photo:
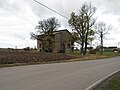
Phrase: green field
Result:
[111,54]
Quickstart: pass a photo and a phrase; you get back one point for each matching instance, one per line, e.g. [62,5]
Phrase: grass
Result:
[98,55]
[114,84]
[111,54]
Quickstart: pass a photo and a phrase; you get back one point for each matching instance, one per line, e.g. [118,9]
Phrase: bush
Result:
[93,51]
[27,48]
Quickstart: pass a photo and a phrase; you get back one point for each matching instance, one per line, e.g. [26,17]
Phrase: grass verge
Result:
[111,83]
[114,84]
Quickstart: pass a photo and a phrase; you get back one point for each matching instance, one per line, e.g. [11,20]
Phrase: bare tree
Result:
[46,28]
[101,29]
[82,24]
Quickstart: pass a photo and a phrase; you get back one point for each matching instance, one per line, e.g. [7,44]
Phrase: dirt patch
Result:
[31,58]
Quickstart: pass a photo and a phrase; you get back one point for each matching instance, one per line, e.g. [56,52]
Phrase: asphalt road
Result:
[61,76]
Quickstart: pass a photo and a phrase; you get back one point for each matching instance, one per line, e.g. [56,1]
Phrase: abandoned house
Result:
[62,42]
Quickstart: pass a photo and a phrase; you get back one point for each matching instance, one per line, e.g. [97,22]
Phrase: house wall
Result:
[62,42]
[39,45]
[66,39]
[57,46]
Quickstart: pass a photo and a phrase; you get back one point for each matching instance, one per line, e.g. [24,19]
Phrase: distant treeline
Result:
[12,49]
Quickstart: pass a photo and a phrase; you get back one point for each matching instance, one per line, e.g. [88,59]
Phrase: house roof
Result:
[64,30]
[55,32]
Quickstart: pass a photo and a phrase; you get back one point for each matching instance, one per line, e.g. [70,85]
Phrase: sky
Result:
[20,17]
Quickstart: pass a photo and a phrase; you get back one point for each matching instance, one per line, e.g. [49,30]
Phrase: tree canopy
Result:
[101,29]
[46,27]
[82,25]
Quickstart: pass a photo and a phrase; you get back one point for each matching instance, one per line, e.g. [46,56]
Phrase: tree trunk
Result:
[101,46]
[86,40]
[82,47]
[85,49]
[86,36]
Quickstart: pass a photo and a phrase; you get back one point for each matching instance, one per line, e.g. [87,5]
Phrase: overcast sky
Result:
[19,17]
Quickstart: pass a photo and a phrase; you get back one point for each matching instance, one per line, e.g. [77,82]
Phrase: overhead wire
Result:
[50,9]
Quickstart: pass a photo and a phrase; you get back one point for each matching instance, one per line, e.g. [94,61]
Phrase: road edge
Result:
[94,85]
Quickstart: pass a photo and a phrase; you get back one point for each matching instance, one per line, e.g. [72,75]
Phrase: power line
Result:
[50,9]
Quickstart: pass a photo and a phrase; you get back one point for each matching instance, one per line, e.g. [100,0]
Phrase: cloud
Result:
[19,17]
[113,6]
[11,5]
[17,20]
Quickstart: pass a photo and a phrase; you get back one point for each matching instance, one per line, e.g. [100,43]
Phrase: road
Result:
[61,76]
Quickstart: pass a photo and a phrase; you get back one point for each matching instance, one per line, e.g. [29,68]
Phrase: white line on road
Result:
[91,87]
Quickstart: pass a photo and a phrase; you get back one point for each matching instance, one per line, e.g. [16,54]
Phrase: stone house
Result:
[62,42]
